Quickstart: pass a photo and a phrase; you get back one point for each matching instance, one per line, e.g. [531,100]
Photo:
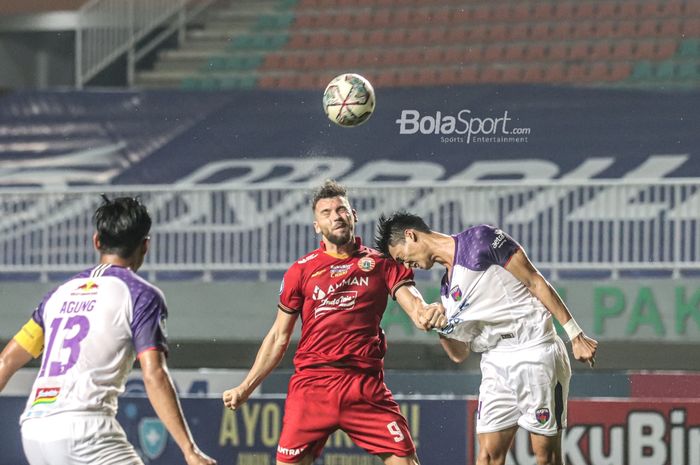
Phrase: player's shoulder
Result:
[136,285]
[311,259]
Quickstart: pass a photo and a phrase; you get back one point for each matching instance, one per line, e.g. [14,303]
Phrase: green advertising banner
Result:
[636,310]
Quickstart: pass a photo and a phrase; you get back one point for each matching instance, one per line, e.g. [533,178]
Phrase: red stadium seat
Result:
[584,30]
[672,8]
[666,49]
[396,36]
[391,57]
[555,73]
[514,52]
[535,52]
[648,28]
[493,52]
[584,10]
[413,57]
[362,19]
[691,27]
[501,12]
[481,13]
[434,55]
[629,9]
[579,51]
[601,50]
[417,36]
[540,31]
[533,74]
[356,39]
[427,76]
[623,50]
[267,82]
[649,10]
[462,16]
[599,72]
[562,30]
[338,39]
[543,11]
[297,41]
[606,9]
[491,74]
[513,74]
[620,71]
[458,35]
[467,75]
[670,27]
[437,35]
[520,11]
[558,51]
[519,32]
[497,32]
[577,73]
[352,58]
[626,29]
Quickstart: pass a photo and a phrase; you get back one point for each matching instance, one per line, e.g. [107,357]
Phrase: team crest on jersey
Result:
[456,293]
[46,396]
[340,270]
[319,272]
[366,264]
[542,415]
[152,437]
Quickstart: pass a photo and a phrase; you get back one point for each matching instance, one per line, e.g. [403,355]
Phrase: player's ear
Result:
[316,228]
[96,241]
[354,215]
[410,235]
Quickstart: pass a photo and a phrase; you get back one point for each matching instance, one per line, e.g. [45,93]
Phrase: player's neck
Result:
[443,247]
[344,250]
[113,259]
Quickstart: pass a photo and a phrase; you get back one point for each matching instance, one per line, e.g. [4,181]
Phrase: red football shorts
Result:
[320,401]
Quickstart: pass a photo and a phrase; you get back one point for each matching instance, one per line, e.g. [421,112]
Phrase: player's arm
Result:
[161,393]
[458,351]
[271,351]
[424,316]
[584,348]
[28,343]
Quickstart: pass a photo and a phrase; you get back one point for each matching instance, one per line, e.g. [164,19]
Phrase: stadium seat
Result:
[620,71]
[648,28]
[606,9]
[623,50]
[519,32]
[535,52]
[625,29]
[599,71]
[688,71]
[417,36]
[540,31]
[514,52]
[494,52]
[601,50]
[579,51]
[691,27]
[642,71]
[666,49]
[557,51]
[543,11]
[689,48]
[555,73]
[584,10]
[670,27]
[512,74]
[563,11]
[434,55]
[533,74]
[665,70]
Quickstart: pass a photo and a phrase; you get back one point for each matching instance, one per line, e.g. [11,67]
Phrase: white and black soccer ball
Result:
[348,100]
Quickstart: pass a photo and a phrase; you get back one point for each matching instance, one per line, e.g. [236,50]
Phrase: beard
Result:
[341,237]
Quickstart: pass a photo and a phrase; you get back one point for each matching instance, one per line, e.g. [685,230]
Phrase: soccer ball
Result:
[348,100]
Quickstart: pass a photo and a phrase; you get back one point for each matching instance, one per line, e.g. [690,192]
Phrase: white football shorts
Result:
[527,387]
[77,439]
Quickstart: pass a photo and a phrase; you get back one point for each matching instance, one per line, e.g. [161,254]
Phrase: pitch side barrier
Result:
[601,431]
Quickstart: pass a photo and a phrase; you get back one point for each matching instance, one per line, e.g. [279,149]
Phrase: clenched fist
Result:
[432,316]
[234,398]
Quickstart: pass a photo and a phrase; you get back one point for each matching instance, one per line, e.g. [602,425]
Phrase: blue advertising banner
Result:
[455,133]
[249,435]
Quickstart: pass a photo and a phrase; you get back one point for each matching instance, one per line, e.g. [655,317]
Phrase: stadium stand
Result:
[301,44]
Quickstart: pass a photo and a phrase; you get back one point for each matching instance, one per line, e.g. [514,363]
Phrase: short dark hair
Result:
[390,231]
[331,188]
[121,224]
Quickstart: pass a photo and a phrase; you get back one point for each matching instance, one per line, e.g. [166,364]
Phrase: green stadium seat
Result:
[689,48]
[642,71]
[688,70]
[665,70]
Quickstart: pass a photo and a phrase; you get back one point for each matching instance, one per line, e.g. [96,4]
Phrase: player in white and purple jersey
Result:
[90,330]
[497,303]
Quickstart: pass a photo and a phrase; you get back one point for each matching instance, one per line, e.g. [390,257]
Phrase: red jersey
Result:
[342,300]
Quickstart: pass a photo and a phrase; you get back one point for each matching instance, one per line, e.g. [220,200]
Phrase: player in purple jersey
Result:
[88,332]
[497,303]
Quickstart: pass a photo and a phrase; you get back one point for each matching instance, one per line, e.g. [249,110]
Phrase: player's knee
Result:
[546,457]
[487,457]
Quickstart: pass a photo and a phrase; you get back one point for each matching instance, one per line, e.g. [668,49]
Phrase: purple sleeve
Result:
[38,313]
[482,246]
[148,325]
[497,246]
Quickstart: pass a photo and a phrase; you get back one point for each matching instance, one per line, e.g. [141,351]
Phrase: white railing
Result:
[593,225]
[109,29]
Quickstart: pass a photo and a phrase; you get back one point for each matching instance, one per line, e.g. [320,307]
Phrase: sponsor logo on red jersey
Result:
[340,270]
[344,300]
[319,272]
[308,258]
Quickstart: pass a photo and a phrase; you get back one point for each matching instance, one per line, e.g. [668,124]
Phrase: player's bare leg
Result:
[493,447]
[390,459]
[307,459]
[547,449]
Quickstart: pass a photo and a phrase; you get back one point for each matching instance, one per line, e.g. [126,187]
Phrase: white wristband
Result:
[572,329]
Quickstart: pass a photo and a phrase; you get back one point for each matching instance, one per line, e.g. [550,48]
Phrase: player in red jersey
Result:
[340,291]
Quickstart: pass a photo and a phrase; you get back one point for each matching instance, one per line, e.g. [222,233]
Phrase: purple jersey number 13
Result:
[73,344]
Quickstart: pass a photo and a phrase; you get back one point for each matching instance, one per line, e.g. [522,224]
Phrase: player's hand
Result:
[432,316]
[197,457]
[584,349]
[234,398]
